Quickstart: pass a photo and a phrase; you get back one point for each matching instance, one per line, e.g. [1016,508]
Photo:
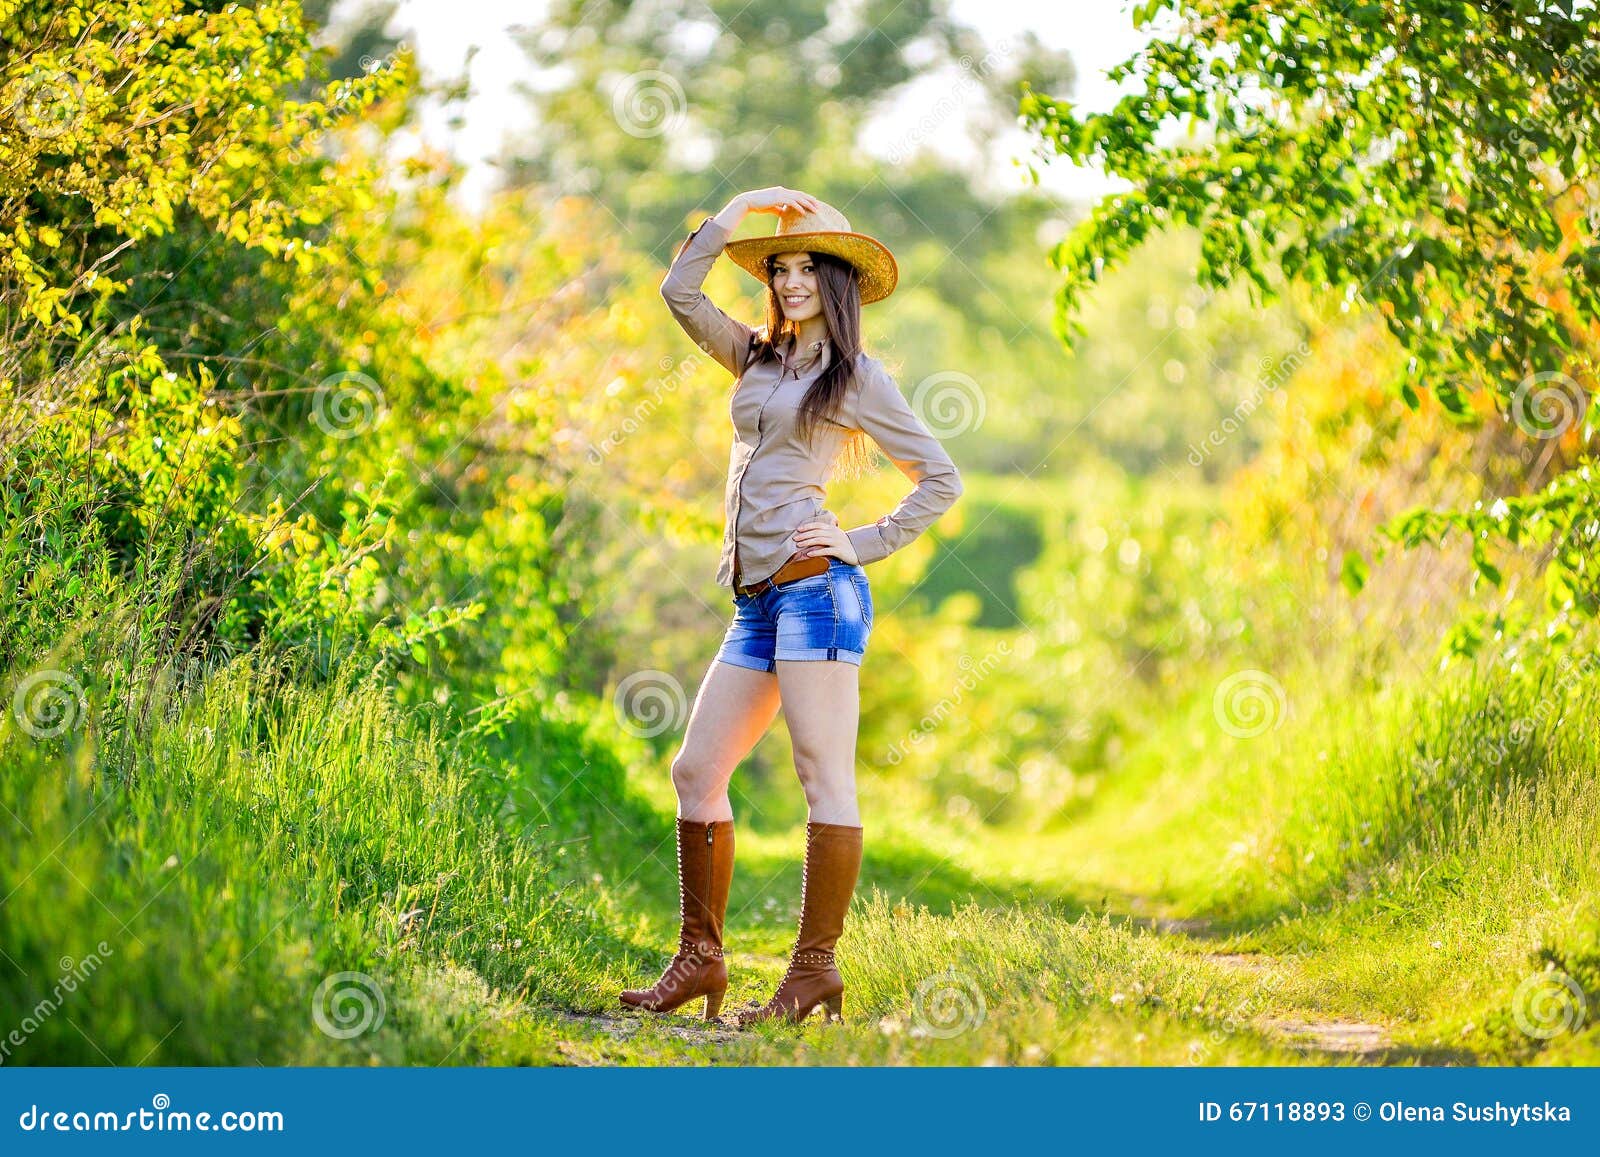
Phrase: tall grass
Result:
[263,834]
[1424,852]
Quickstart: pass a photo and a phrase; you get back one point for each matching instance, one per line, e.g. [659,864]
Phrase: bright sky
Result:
[1098,34]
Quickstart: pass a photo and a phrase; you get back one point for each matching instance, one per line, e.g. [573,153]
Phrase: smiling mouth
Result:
[797,300]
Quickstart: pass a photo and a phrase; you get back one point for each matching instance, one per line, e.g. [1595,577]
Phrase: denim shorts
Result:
[821,616]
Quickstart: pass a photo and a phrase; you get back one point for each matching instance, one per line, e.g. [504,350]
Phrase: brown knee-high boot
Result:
[705,871]
[833,861]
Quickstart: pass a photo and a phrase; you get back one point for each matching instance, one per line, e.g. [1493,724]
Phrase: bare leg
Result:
[822,707]
[732,710]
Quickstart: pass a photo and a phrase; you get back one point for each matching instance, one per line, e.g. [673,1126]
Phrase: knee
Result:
[824,786]
[692,778]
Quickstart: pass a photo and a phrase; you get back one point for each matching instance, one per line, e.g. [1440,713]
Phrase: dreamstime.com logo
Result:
[348,1004]
[1248,703]
[160,1117]
[648,103]
[346,100]
[45,103]
[648,703]
[1274,373]
[347,405]
[1571,80]
[48,704]
[949,403]
[968,86]
[973,672]
[947,1004]
[1548,404]
[675,374]
[1549,1003]
[73,974]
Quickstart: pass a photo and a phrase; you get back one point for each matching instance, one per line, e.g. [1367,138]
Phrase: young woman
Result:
[806,397]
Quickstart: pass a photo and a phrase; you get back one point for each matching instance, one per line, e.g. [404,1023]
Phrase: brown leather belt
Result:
[795,568]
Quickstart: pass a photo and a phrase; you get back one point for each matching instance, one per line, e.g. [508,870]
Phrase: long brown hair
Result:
[840,289]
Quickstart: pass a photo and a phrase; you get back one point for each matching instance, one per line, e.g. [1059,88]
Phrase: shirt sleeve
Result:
[723,337]
[885,414]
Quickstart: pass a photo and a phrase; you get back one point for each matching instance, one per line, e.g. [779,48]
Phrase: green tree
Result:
[1431,159]
[655,108]
[357,41]
[142,143]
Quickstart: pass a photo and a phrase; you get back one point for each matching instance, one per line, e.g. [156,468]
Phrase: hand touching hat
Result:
[821,230]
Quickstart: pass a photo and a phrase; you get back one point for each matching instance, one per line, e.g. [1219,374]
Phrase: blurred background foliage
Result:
[374,424]
[267,389]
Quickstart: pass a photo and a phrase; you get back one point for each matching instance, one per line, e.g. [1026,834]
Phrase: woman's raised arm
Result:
[725,338]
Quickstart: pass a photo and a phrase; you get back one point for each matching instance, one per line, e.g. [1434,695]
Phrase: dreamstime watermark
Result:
[57,389]
[974,672]
[48,704]
[1547,404]
[1247,1015]
[949,403]
[73,973]
[156,1119]
[674,374]
[46,103]
[679,969]
[648,103]
[1248,703]
[1572,672]
[1547,1004]
[1579,72]
[650,702]
[946,1005]
[347,1004]
[347,404]
[1429,771]
[1273,375]
[970,81]
[1217,1036]
[346,99]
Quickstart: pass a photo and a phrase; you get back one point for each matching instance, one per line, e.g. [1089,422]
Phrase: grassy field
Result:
[275,874]
[349,523]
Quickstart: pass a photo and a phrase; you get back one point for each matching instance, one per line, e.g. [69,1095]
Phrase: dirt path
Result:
[1332,1036]
[606,1038]
[601,1029]
[1321,1034]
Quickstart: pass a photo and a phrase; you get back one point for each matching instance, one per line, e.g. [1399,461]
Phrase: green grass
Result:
[1387,859]
[1381,881]
[269,834]
[1369,879]
[1000,537]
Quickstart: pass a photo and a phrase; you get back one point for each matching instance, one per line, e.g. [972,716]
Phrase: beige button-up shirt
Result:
[775,480]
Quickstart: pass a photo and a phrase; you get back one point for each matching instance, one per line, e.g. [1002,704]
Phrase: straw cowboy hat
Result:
[825,231]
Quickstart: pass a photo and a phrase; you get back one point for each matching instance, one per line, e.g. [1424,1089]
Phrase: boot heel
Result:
[714,1004]
[833,1008]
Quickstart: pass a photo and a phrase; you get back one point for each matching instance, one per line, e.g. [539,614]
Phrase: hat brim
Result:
[875,265]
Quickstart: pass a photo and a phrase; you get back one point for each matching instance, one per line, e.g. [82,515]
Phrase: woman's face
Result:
[794,280]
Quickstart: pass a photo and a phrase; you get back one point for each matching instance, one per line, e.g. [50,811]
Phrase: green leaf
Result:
[1353,572]
[1486,568]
